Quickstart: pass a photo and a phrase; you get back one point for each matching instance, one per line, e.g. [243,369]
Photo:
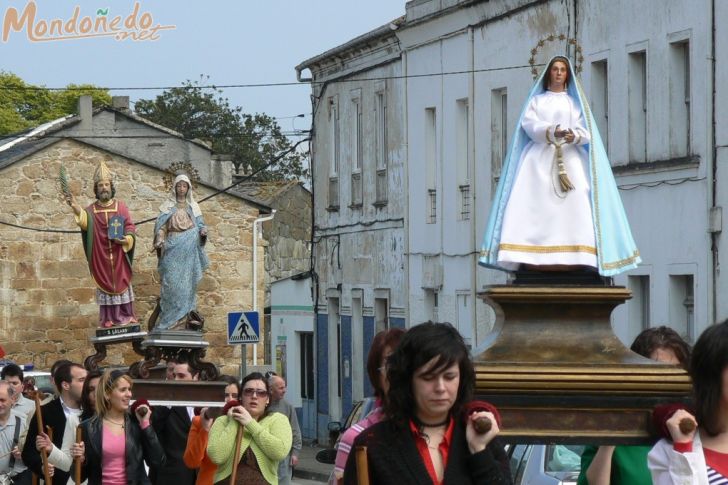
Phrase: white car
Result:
[545,464]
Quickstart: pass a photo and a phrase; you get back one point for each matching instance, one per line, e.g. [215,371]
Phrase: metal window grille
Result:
[431,206]
[464,202]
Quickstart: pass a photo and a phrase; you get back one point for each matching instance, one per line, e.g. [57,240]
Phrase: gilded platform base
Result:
[557,372]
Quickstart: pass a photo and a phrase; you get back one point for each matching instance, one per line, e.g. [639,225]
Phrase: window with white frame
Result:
[637,122]
[356,149]
[462,151]
[431,164]
[498,132]
[600,98]
[679,98]
[334,153]
[382,153]
[682,306]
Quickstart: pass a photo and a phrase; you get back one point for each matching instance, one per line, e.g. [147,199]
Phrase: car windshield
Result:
[563,461]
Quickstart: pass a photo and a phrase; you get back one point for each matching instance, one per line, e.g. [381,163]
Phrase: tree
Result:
[251,140]
[24,105]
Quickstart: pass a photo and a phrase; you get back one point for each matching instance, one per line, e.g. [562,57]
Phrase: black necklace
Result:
[422,424]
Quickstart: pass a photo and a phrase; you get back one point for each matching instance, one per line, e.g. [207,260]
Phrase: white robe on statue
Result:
[542,225]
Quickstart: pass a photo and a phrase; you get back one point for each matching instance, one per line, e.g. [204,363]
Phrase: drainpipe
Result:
[255,271]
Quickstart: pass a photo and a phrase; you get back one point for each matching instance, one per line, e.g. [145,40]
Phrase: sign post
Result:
[243,329]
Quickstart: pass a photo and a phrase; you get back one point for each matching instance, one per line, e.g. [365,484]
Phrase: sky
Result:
[232,42]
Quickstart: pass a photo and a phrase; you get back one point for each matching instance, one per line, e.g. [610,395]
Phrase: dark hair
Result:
[96,190]
[12,370]
[88,402]
[254,376]
[708,362]
[547,77]
[386,338]
[662,337]
[63,374]
[231,380]
[57,364]
[419,345]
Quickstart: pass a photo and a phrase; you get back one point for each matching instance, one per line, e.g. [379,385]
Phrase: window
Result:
[335,356]
[431,163]
[464,202]
[334,154]
[306,365]
[356,149]
[382,151]
[498,132]
[465,321]
[462,150]
[639,305]
[637,107]
[431,304]
[358,353]
[682,306]
[600,99]
[381,316]
[431,206]
[679,99]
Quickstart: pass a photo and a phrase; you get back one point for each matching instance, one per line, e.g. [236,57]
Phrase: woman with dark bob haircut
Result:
[425,437]
[699,456]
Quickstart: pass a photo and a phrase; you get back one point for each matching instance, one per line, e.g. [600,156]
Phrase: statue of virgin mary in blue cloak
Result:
[179,237]
[557,205]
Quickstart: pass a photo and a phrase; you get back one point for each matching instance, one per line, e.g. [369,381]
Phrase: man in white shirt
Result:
[11,426]
[13,375]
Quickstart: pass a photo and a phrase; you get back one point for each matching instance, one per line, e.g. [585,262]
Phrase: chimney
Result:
[86,112]
[120,102]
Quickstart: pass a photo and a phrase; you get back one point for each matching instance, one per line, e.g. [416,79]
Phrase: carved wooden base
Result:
[105,337]
[558,373]
[183,346]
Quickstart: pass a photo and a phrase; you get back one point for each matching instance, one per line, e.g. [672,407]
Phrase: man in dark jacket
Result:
[172,425]
[69,379]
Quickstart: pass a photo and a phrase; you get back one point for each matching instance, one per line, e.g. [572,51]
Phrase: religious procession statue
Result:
[109,237]
[180,235]
[557,206]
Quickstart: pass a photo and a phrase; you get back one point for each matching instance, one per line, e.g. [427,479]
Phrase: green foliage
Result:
[250,140]
[24,105]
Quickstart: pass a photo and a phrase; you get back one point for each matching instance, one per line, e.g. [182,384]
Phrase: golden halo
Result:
[561,37]
[179,168]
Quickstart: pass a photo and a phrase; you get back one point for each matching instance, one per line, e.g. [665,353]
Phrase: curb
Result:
[310,475]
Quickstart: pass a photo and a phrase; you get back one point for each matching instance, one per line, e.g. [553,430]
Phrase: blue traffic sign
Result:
[243,328]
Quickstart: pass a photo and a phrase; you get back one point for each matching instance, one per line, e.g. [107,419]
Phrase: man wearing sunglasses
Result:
[277,387]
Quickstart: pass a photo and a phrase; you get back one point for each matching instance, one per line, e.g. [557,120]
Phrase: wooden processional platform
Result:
[558,374]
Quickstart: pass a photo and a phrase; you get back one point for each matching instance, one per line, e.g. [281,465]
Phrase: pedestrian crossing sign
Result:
[243,328]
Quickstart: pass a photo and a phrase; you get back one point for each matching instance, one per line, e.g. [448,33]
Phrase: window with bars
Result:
[464,202]
[431,206]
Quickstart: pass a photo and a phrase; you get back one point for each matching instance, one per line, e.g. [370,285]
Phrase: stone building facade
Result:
[48,308]
[287,236]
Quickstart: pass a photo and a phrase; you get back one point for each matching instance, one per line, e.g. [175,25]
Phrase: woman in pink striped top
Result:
[382,347]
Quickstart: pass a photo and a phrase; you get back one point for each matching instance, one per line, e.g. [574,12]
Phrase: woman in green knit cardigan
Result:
[266,440]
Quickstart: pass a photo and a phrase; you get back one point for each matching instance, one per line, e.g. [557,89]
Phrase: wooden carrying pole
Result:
[362,465]
[43,453]
[77,460]
[236,456]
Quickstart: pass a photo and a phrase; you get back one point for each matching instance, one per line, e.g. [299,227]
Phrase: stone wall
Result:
[288,236]
[47,305]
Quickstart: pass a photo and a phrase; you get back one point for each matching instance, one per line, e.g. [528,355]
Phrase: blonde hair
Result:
[106,384]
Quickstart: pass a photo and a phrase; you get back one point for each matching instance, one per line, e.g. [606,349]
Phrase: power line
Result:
[264,85]
[245,178]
